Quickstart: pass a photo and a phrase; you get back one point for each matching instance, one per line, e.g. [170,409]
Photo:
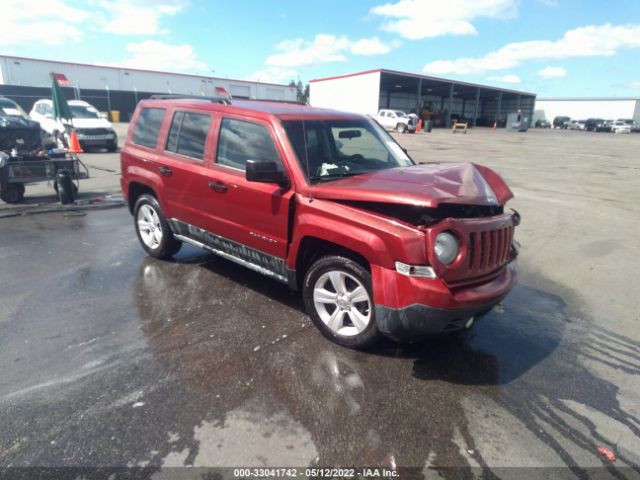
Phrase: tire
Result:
[338,317]
[75,188]
[152,229]
[112,147]
[401,128]
[14,193]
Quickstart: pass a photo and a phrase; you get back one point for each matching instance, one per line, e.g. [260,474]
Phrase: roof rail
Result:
[173,96]
[293,102]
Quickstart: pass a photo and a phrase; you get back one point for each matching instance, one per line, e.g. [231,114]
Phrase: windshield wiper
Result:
[334,176]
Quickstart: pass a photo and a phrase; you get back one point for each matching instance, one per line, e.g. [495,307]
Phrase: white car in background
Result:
[397,120]
[93,130]
[577,125]
[620,126]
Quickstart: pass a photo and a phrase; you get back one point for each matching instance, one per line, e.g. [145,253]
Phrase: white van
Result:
[92,129]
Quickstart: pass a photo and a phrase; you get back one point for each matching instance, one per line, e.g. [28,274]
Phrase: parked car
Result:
[591,124]
[397,120]
[604,126]
[620,126]
[93,130]
[542,123]
[328,203]
[577,125]
[561,122]
[19,132]
[635,126]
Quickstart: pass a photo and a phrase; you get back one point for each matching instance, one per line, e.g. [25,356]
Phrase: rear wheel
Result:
[401,128]
[153,230]
[337,296]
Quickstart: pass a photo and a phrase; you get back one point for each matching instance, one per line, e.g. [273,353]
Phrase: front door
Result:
[249,213]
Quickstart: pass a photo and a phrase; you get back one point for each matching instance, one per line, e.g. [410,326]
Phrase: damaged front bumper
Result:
[429,307]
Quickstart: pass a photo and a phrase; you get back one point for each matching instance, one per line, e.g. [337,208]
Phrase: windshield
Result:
[332,149]
[10,109]
[80,111]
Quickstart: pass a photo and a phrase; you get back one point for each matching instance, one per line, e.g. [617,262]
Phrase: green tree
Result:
[302,91]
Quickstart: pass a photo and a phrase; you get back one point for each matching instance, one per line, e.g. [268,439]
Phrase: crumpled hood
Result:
[426,185]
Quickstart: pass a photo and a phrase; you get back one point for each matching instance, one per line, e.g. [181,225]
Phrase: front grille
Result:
[489,249]
[93,131]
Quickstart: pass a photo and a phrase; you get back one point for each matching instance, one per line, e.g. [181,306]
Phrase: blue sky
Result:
[550,47]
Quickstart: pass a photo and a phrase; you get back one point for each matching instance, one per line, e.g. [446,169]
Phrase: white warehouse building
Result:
[438,100]
[108,88]
[584,108]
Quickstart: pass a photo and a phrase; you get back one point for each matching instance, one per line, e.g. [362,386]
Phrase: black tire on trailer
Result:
[75,187]
[13,193]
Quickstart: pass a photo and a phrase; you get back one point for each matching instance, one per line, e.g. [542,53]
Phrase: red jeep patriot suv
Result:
[328,203]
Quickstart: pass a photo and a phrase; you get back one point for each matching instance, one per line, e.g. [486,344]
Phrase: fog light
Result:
[415,270]
[446,247]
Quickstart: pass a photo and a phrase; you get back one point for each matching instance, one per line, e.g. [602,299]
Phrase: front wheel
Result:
[337,295]
[153,230]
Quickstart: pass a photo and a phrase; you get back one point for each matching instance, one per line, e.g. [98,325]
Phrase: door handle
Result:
[218,187]
[165,171]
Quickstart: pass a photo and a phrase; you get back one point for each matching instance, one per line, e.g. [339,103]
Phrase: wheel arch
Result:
[136,189]
[312,248]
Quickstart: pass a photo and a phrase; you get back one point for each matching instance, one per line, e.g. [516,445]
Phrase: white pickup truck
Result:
[397,120]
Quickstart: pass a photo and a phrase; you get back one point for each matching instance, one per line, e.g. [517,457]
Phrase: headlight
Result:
[446,247]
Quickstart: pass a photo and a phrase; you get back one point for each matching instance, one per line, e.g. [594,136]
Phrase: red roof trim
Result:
[142,70]
[364,72]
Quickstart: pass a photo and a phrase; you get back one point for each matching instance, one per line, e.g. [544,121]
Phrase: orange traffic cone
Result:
[419,127]
[74,144]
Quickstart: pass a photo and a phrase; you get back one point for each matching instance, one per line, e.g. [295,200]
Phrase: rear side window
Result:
[188,134]
[241,141]
[148,126]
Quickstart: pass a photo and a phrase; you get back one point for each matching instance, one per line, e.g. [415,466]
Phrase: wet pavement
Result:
[110,358]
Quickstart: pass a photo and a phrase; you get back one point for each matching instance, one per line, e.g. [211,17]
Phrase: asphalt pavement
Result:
[113,359]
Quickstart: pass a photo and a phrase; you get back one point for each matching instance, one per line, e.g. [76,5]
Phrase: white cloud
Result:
[416,19]
[552,72]
[325,48]
[372,46]
[51,22]
[322,49]
[588,41]
[160,56]
[138,17]
[632,85]
[505,79]
[274,75]
[549,3]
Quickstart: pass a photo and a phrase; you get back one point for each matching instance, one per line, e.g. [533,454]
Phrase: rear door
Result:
[184,164]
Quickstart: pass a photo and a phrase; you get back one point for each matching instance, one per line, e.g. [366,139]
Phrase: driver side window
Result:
[359,141]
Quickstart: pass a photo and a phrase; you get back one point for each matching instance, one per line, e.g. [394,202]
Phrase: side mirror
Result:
[265,171]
